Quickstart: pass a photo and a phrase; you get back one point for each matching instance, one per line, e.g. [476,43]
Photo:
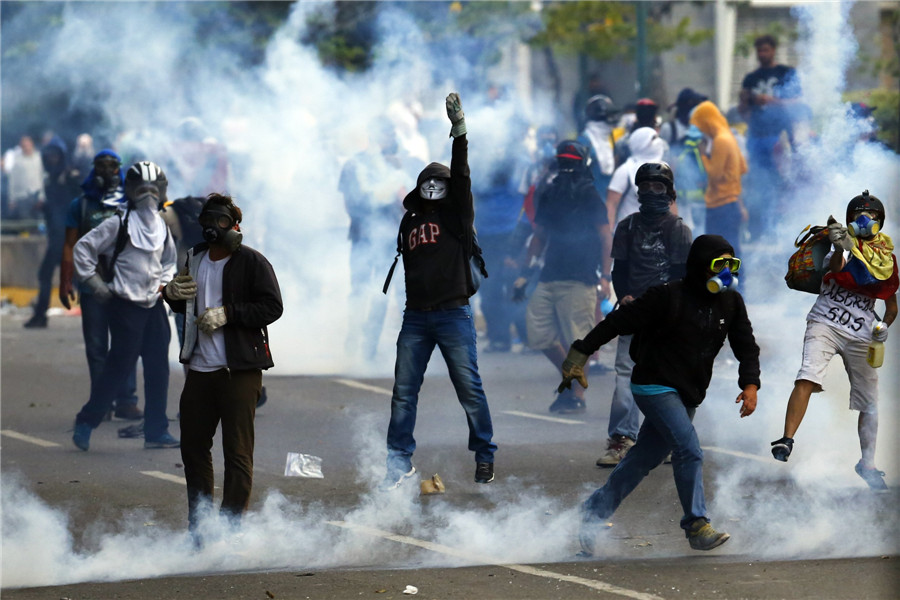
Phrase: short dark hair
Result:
[765,40]
[225,201]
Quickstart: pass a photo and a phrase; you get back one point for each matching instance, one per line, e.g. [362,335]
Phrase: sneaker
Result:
[668,459]
[36,322]
[263,396]
[498,347]
[164,441]
[132,431]
[702,536]
[394,479]
[591,527]
[873,476]
[567,403]
[128,412]
[82,436]
[484,472]
[781,449]
[616,448]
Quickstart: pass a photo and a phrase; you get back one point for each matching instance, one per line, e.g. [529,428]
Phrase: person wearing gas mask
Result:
[142,263]
[861,270]
[678,328]
[650,247]
[229,294]
[436,236]
[571,226]
[103,195]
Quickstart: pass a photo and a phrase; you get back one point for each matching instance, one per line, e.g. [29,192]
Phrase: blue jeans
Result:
[764,185]
[624,416]
[453,331]
[95,330]
[667,427]
[135,332]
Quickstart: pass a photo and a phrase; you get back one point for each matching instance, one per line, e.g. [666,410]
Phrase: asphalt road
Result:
[110,523]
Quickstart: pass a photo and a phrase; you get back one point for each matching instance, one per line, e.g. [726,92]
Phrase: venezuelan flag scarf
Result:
[871,270]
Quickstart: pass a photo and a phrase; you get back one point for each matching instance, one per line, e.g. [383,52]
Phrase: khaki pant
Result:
[560,312]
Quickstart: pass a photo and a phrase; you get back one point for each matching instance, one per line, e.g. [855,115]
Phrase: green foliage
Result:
[608,30]
[886,113]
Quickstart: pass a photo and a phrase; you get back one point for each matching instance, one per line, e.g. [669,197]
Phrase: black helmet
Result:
[656,171]
[866,202]
[146,172]
[598,108]
[572,156]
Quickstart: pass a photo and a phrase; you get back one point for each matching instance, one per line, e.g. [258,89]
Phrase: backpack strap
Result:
[387,280]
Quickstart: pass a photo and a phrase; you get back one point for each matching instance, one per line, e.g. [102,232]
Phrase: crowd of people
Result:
[631,228]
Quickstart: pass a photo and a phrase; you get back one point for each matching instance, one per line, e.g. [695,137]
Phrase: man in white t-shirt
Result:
[229,295]
[843,321]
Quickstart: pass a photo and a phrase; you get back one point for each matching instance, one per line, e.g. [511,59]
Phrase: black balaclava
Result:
[653,205]
[704,249]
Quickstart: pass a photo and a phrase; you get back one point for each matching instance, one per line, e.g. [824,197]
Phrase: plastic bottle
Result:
[875,354]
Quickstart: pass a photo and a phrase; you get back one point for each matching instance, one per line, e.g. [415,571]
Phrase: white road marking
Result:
[165,476]
[528,415]
[736,453]
[469,556]
[364,386]
[27,438]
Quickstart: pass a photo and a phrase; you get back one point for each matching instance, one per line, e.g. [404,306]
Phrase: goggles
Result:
[216,219]
[718,264]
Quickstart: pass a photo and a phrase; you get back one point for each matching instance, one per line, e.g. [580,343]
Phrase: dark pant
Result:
[95,329]
[135,332]
[56,234]
[207,398]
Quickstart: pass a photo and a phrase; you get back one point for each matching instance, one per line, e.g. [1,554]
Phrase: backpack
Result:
[806,266]
[690,175]
[477,268]
[105,264]
[187,210]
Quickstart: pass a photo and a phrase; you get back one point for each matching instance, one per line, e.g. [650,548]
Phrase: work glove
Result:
[66,289]
[98,288]
[456,115]
[879,331]
[212,319]
[181,288]
[837,235]
[573,368]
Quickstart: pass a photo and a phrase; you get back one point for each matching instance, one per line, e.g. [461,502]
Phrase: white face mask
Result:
[433,189]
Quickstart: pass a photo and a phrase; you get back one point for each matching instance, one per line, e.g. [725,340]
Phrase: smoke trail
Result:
[822,491]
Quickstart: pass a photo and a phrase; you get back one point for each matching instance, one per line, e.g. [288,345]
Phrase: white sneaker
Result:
[616,448]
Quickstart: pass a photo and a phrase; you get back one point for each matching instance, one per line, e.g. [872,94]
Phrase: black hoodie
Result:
[433,243]
[680,327]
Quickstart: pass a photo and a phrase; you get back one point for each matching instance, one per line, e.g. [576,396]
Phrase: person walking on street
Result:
[669,383]
[650,247]
[103,195]
[437,241]
[229,295]
[861,270]
[142,263]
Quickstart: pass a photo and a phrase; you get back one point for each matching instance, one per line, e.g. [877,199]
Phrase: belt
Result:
[455,303]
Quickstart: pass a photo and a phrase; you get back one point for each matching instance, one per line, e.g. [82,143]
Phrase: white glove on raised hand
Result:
[181,288]
[212,319]
[456,115]
[98,288]
[879,331]
[837,235]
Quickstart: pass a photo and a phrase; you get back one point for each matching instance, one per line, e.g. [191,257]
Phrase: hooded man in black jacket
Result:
[436,241]
[229,295]
[679,328]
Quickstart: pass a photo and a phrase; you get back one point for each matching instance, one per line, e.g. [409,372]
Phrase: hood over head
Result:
[685,103]
[703,250]
[89,185]
[645,145]
[57,146]
[413,200]
[709,119]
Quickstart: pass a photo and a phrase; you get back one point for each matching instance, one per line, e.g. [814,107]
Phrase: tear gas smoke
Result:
[288,125]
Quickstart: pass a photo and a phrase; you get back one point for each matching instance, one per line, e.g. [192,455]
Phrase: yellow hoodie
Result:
[725,165]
